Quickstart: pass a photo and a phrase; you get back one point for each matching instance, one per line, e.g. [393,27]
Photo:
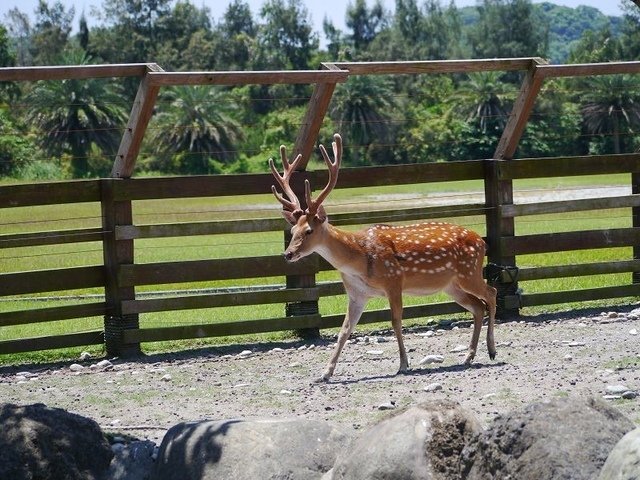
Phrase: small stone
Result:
[285,392]
[245,353]
[375,352]
[504,344]
[432,359]
[166,378]
[612,315]
[428,334]
[75,367]
[574,344]
[617,389]
[612,397]
[295,364]
[458,349]
[387,406]
[629,395]
[568,357]
[433,387]
[277,350]
[104,364]
[633,331]
[84,356]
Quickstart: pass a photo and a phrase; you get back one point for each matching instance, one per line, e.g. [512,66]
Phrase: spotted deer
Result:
[385,260]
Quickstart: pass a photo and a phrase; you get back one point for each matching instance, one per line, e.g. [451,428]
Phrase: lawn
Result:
[34,219]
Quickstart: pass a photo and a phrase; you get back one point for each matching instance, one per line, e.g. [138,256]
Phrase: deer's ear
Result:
[291,217]
[321,214]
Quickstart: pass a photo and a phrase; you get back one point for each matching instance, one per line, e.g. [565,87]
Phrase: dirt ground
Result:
[540,357]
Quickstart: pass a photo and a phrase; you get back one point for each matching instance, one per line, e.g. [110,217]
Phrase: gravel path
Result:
[539,358]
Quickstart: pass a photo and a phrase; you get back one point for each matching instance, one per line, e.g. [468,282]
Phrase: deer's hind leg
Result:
[477,308]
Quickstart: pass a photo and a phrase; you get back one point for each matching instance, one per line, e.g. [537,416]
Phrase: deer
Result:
[386,260]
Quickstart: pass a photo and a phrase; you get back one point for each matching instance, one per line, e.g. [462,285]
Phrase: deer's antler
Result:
[333,166]
[291,203]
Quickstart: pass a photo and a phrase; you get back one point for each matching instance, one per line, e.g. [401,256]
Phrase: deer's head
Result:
[309,225]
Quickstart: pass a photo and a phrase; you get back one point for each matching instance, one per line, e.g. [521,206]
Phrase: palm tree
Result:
[611,106]
[76,115]
[198,122]
[485,98]
[361,111]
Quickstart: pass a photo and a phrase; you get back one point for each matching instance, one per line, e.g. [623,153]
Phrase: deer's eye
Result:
[309,231]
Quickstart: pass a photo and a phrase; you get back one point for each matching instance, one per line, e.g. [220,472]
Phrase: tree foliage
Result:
[383,119]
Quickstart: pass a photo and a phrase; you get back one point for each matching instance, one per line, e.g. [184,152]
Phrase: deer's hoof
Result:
[322,378]
[492,355]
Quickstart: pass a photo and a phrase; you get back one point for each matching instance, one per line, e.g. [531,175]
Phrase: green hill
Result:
[566,25]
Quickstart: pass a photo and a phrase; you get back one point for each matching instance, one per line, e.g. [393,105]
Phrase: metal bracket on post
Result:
[504,278]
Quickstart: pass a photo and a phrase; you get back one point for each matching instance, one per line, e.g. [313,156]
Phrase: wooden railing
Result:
[119,275]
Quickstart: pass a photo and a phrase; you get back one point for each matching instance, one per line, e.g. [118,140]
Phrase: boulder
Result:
[37,441]
[240,449]
[423,442]
[560,439]
[132,461]
[623,463]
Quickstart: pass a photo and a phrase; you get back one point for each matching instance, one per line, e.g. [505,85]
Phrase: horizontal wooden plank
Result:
[577,270]
[62,72]
[40,315]
[588,69]
[244,327]
[384,315]
[567,296]
[190,302]
[407,214]
[206,270]
[434,66]
[130,232]
[401,174]
[49,343]
[560,242]
[568,166]
[159,188]
[247,78]
[39,281]
[574,205]
[52,193]
[51,238]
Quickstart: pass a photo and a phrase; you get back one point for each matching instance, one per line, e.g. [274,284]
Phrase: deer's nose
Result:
[288,256]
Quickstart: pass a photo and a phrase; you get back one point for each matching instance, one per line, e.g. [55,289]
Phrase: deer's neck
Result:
[344,250]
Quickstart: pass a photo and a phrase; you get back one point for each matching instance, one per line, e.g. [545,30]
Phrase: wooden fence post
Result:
[304,144]
[502,271]
[116,253]
[635,221]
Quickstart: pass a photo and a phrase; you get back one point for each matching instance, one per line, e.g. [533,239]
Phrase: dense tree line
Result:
[72,128]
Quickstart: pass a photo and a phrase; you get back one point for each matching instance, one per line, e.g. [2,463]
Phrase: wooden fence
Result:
[119,275]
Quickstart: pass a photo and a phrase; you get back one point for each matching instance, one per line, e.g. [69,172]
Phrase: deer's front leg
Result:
[351,319]
[395,303]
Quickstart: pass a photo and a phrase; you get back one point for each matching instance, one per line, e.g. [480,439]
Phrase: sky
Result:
[333,9]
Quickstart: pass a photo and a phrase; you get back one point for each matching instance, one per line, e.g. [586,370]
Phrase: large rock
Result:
[623,463]
[238,449]
[41,442]
[560,439]
[423,442]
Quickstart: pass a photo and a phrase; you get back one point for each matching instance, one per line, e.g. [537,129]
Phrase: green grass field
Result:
[34,219]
